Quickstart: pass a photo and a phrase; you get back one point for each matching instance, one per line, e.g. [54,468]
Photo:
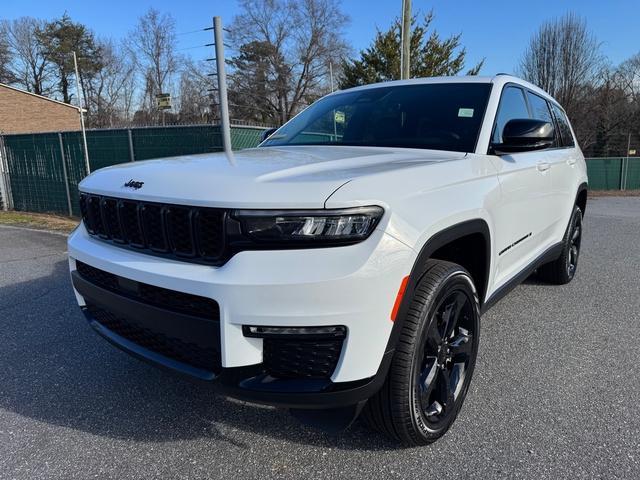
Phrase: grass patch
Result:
[40,221]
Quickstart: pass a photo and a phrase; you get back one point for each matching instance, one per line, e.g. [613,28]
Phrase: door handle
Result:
[543,166]
[571,161]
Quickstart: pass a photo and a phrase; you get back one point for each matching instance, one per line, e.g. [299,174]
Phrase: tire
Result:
[562,270]
[414,406]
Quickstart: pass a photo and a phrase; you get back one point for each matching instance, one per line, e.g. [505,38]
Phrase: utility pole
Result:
[225,129]
[84,133]
[626,170]
[335,127]
[405,41]
[331,75]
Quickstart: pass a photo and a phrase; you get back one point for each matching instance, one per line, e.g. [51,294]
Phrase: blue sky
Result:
[496,30]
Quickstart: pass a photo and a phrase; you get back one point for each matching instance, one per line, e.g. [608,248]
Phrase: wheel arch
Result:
[436,244]
[581,197]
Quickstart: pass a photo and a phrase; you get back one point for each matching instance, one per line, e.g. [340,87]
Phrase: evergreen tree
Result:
[430,56]
[60,38]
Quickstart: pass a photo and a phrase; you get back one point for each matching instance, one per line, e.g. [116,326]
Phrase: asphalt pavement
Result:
[555,394]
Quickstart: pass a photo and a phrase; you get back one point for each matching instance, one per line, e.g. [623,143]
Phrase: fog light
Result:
[334,331]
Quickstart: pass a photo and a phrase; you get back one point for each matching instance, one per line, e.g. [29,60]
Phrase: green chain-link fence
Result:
[33,172]
[614,173]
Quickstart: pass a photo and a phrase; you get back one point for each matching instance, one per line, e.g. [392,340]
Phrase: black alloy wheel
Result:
[574,247]
[447,348]
[563,269]
[434,357]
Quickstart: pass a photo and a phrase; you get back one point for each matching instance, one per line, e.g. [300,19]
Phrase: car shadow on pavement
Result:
[56,370]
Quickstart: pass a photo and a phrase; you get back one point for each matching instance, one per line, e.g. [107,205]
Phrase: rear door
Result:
[522,219]
[561,159]
[564,175]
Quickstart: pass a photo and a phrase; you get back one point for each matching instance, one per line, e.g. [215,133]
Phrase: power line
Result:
[191,48]
[193,31]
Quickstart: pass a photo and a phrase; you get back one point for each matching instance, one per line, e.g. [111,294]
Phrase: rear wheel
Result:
[563,269]
[434,359]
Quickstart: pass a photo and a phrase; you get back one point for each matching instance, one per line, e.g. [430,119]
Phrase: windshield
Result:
[439,116]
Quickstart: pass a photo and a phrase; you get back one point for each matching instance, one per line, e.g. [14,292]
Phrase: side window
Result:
[540,111]
[539,108]
[512,106]
[563,126]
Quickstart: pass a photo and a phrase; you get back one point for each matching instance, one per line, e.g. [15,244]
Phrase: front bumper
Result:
[354,286]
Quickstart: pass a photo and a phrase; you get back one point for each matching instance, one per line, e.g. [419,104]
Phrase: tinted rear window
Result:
[563,126]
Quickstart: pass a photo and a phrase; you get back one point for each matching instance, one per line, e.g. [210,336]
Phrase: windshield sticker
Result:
[465,112]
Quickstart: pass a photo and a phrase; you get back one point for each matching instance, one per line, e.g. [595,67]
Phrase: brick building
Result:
[25,112]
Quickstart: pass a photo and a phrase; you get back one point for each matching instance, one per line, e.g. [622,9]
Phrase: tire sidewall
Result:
[576,220]
[458,279]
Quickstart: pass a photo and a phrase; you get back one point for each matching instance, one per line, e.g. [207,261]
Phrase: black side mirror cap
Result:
[267,133]
[524,134]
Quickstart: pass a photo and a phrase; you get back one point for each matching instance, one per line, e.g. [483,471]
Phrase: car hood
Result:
[267,177]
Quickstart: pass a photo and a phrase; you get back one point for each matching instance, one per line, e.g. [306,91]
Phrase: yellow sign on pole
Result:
[163,101]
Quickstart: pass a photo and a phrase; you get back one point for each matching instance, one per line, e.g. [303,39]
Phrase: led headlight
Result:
[341,226]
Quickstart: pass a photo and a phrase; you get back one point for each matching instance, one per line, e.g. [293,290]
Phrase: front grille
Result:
[185,352]
[186,233]
[152,217]
[300,358]
[111,219]
[178,302]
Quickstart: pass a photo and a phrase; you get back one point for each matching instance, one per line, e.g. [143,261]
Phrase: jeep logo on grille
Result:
[133,184]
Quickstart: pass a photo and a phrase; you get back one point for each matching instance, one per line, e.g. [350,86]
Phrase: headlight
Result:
[306,227]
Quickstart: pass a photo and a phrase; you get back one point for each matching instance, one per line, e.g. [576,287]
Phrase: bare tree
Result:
[6,76]
[109,90]
[152,43]
[564,59]
[289,45]
[628,77]
[622,109]
[195,100]
[29,65]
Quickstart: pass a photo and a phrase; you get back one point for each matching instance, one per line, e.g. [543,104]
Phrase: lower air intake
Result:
[188,353]
[301,358]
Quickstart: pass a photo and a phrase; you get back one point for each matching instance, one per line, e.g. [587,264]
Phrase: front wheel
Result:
[434,359]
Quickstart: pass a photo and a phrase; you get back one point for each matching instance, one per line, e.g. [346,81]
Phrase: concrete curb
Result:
[52,232]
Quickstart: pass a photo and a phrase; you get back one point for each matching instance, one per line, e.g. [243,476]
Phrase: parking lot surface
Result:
[556,391]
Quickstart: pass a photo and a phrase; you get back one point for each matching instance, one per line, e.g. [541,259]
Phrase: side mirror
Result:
[524,134]
[267,133]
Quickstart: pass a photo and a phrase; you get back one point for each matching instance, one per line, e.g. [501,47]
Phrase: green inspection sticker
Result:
[465,112]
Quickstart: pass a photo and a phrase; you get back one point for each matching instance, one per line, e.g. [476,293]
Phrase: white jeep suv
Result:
[342,266]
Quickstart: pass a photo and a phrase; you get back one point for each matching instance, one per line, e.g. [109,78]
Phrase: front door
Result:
[524,218]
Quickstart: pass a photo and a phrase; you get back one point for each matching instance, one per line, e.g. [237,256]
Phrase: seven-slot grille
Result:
[187,233]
